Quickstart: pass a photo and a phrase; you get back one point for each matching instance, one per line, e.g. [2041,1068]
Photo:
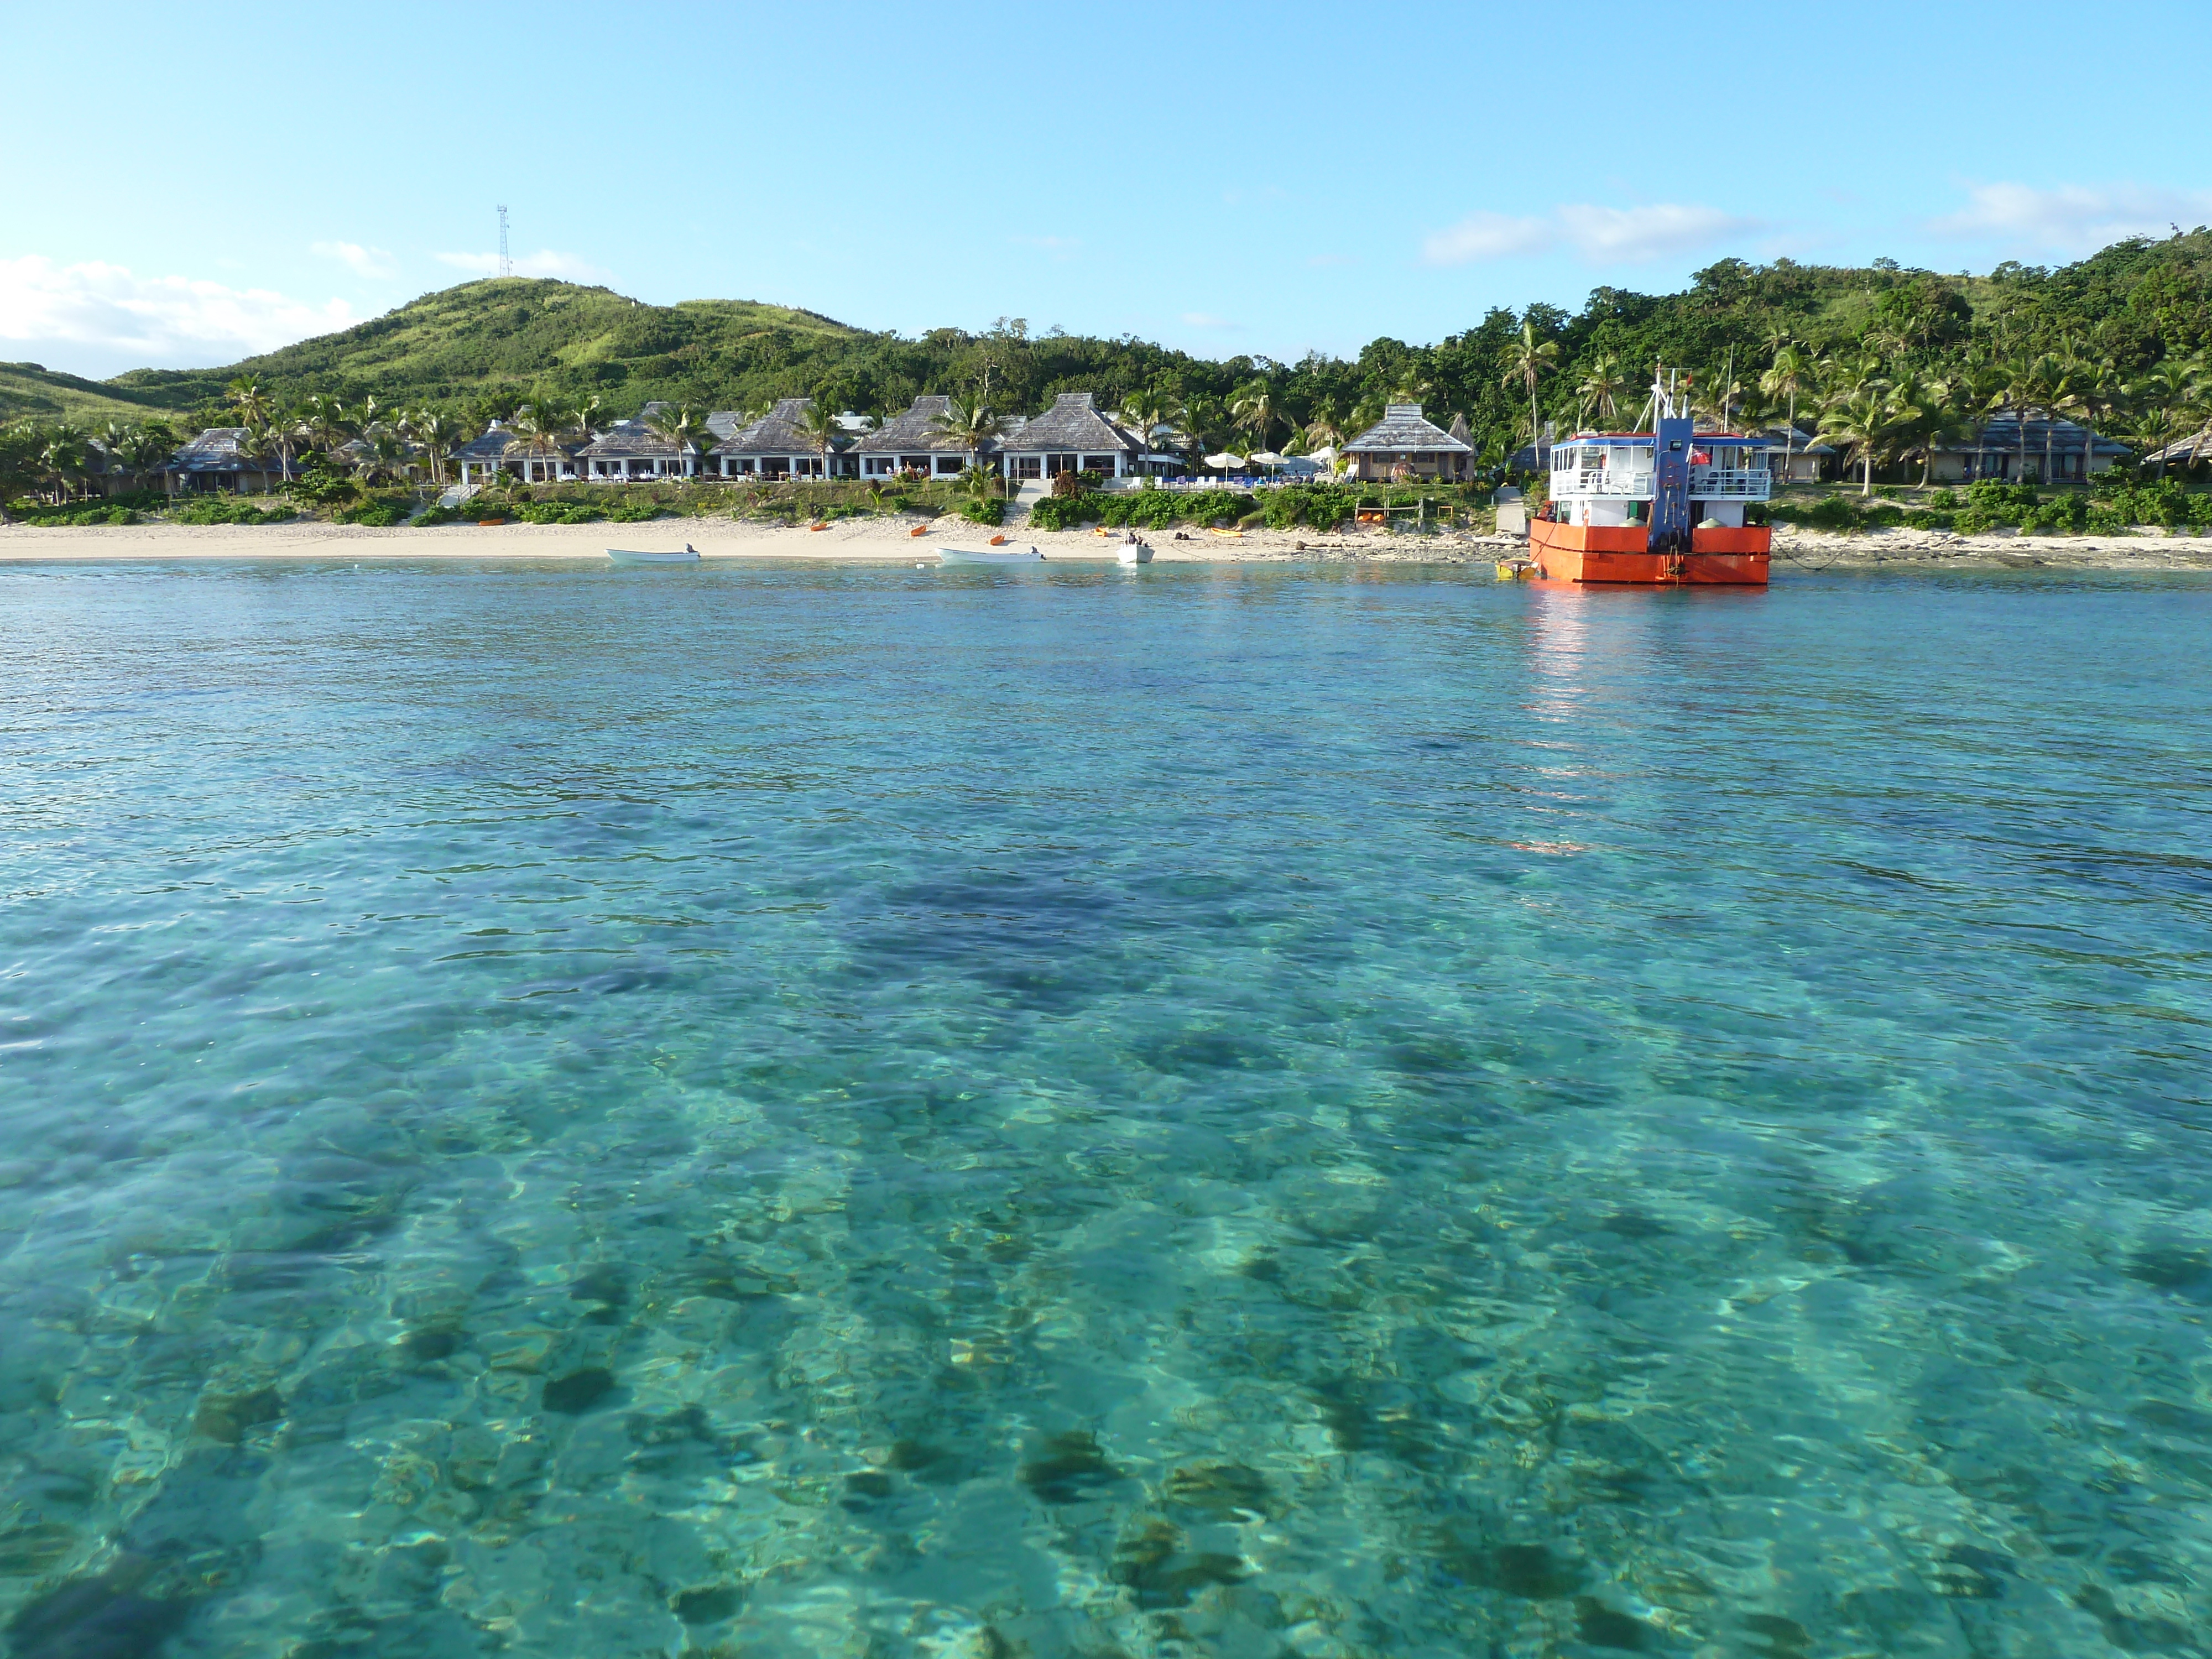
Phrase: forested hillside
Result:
[1881,357]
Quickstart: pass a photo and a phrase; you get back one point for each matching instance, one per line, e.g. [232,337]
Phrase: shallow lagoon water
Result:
[1287,1111]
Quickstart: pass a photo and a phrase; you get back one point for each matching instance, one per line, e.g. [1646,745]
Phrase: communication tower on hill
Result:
[506,264]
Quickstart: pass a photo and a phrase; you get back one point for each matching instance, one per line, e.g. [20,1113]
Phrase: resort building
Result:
[218,462]
[631,449]
[915,441]
[1795,456]
[777,446]
[1072,436]
[503,449]
[2015,450]
[1404,439]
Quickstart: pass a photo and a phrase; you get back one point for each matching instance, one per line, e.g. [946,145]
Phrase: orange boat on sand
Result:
[1662,507]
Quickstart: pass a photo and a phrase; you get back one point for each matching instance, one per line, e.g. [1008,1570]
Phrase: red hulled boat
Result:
[1664,507]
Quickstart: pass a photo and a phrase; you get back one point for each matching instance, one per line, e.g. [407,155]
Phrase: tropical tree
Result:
[1148,412]
[322,422]
[679,426]
[1603,381]
[820,425]
[1927,411]
[249,400]
[1527,360]
[2094,390]
[1859,419]
[139,450]
[2042,382]
[546,422]
[1253,408]
[21,444]
[1788,374]
[65,461]
[435,435]
[383,455]
[971,425]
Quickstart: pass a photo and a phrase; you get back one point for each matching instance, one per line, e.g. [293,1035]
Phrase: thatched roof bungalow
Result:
[776,446]
[914,441]
[1072,436]
[631,449]
[503,449]
[2008,447]
[1404,437]
[219,462]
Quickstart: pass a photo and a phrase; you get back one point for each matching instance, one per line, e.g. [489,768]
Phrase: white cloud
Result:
[2073,218]
[1207,319]
[544,263]
[1601,233]
[107,314]
[1489,236]
[371,262]
[1601,236]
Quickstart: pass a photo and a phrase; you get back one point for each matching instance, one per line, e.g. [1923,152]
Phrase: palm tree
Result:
[383,454]
[1859,420]
[970,425]
[250,401]
[62,458]
[1602,384]
[2154,398]
[1788,374]
[1148,412]
[679,426]
[1253,408]
[139,450]
[436,435]
[2043,384]
[1527,360]
[819,424]
[544,422]
[1928,410]
[1325,430]
[322,422]
[2093,390]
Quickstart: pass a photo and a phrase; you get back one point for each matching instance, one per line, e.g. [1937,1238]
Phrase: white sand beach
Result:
[887,542]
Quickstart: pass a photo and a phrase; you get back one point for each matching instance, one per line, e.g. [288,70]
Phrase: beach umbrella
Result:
[1224,461]
[1264,458]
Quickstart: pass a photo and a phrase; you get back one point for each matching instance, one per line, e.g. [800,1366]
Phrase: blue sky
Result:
[186,187]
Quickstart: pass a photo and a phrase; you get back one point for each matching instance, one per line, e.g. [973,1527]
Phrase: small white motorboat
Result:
[993,556]
[1133,553]
[627,555]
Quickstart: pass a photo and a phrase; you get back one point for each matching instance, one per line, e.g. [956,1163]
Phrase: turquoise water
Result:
[1242,1112]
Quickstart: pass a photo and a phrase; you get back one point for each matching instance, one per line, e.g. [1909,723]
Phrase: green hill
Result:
[27,390]
[512,332]
[2136,306]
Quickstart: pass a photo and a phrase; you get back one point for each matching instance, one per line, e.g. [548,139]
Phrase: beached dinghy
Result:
[977,556]
[1133,553]
[625,555]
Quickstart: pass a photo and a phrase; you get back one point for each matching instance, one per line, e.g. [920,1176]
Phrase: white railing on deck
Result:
[1620,483]
[1731,484]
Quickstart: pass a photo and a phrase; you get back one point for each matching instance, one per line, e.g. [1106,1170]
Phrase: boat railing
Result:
[1735,484]
[1619,482]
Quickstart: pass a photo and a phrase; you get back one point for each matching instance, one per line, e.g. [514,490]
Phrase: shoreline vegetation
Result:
[2031,399]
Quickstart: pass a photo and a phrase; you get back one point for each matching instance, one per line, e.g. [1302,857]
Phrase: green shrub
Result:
[82,513]
[376,515]
[633,512]
[1252,521]
[988,510]
[223,509]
